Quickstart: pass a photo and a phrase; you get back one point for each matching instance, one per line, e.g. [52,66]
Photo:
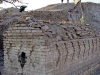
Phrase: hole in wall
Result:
[23,54]
[22,59]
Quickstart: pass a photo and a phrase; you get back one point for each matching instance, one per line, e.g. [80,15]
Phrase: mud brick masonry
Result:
[51,48]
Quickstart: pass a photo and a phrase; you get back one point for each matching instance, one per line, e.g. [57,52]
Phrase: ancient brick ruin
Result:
[44,43]
[51,48]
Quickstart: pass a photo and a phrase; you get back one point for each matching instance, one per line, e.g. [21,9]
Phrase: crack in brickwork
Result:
[93,47]
[66,52]
[79,48]
[84,49]
[89,47]
[58,55]
[96,44]
[74,50]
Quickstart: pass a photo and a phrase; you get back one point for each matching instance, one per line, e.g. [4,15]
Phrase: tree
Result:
[10,1]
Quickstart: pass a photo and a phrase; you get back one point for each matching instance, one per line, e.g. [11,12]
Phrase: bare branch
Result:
[9,2]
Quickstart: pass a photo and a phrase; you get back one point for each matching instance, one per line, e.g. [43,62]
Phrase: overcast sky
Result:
[35,4]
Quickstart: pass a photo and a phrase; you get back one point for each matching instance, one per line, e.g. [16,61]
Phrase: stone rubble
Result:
[53,47]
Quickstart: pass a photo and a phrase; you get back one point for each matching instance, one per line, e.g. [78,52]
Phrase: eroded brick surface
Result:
[53,46]
[48,53]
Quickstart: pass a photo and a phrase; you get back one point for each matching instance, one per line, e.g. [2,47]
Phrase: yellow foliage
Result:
[82,20]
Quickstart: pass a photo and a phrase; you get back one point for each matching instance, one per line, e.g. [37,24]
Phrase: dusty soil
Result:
[59,12]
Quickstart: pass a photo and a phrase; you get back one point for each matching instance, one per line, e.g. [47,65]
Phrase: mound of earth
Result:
[59,12]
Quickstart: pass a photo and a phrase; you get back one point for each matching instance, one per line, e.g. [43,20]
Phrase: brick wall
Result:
[51,49]
[24,39]
[73,57]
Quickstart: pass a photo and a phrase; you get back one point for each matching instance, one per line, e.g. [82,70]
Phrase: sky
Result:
[35,4]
